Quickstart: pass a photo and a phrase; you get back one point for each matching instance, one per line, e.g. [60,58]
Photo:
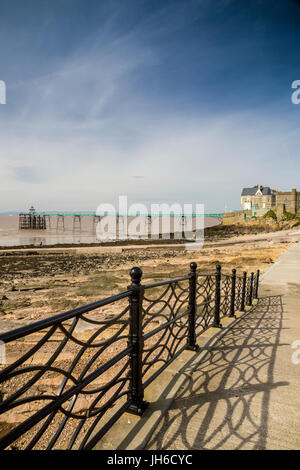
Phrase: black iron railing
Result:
[69,378]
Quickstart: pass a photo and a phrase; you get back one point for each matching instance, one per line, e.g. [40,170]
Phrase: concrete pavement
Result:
[245,394]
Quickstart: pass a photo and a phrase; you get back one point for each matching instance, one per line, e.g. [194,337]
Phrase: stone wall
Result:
[230,218]
[259,212]
[288,200]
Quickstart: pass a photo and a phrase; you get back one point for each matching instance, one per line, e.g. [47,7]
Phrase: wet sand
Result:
[55,234]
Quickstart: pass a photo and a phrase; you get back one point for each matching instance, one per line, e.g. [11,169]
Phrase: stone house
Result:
[259,197]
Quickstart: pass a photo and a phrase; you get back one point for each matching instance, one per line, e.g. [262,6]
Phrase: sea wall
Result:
[237,217]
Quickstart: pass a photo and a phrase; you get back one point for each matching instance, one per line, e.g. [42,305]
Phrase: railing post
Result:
[136,392]
[232,300]
[216,322]
[251,290]
[256,285]
[243,301]
[191,342]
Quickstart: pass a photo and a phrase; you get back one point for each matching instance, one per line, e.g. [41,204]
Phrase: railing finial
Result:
[136,275]
[193,266]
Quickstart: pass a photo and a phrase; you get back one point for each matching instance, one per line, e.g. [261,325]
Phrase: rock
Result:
[80,404]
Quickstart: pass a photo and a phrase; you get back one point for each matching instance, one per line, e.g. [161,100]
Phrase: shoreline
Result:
[214,236]
[69,235]
[116,243]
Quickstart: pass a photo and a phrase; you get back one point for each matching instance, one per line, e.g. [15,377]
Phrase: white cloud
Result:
[185,160]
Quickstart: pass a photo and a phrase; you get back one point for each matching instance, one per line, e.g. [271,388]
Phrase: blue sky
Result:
[191,96]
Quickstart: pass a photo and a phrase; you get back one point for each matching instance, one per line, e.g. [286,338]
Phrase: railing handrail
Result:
[165,282]
[18,333]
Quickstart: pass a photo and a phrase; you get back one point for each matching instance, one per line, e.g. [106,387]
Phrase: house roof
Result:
[252,191]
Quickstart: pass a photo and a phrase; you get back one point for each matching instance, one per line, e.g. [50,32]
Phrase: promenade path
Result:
[245,394]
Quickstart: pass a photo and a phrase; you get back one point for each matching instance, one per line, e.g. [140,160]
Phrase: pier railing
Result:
[68,378]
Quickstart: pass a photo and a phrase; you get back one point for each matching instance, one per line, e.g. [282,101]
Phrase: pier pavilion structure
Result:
[32,220]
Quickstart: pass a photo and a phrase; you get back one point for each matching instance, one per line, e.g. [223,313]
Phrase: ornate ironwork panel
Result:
[205,298]
[165,324]
[65,378]
[225,295]
[238,292]
[248,287]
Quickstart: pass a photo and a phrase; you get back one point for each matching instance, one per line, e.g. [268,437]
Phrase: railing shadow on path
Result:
[224,403]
